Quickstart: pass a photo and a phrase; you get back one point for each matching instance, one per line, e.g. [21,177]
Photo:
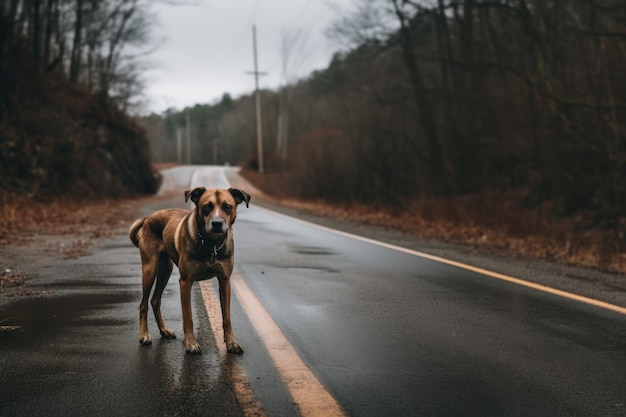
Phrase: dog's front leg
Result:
[231,344]
[191,345]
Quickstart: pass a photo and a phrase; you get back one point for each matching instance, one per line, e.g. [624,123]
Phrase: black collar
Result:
[214,245]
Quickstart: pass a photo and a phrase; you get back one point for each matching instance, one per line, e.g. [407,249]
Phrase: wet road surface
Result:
[383,332]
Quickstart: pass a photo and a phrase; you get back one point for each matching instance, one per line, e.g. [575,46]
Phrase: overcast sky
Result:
[204,50]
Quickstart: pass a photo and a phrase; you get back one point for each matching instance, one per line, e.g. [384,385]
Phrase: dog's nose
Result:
[217,225]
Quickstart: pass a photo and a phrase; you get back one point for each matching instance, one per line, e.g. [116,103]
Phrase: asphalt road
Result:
[324,318]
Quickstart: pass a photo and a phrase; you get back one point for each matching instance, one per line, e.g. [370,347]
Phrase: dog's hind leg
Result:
[149,269]
[162,276]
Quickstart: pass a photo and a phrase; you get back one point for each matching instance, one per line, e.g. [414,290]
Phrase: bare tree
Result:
[292,46]
[75,61]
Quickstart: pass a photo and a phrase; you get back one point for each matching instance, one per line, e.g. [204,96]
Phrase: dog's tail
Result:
[133,232]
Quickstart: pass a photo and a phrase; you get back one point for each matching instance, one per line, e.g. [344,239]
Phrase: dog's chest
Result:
[206,265]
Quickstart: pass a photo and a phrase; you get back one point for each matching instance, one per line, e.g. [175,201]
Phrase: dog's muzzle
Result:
[217,225]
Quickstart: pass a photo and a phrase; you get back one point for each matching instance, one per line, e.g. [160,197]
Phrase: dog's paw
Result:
[168,334]
[193,349]
[145,340]
[234,347]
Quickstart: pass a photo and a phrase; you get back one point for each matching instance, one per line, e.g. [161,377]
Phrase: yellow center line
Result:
[247,398]
[497,275]
[307,392]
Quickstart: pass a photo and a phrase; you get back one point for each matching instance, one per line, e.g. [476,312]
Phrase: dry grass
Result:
[489,223]
[25,218]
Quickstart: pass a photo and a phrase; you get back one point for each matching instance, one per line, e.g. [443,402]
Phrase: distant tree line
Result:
[442,98]
[197,134]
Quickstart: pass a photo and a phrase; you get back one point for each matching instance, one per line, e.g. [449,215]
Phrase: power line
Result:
[244,30]
[251,18]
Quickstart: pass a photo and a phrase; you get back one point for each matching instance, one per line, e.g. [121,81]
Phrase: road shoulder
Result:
[587,282]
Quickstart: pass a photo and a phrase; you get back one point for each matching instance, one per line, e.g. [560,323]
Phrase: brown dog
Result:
[200,242]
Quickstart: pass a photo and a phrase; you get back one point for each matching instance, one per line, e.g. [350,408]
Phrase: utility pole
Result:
[188,132]
[179,145]
[259,125]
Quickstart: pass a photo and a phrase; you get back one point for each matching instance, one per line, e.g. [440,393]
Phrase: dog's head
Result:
[216,208]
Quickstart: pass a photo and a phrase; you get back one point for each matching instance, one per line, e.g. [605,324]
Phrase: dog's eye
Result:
[227,207]
[206,210]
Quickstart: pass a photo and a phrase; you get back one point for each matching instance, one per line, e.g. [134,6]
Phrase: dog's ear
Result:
[194,194]
[240,196]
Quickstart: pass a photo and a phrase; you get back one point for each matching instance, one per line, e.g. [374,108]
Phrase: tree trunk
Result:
[48,35]
[76,49]
[438,163]
[114,44]
[36,25]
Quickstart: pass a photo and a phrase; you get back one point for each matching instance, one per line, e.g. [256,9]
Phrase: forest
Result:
[68,76]
[513,109]
[504,115]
